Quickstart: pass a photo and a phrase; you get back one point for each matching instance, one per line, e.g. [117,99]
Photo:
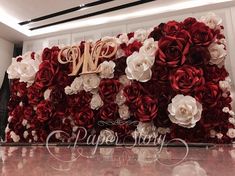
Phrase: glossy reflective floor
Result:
[115,161]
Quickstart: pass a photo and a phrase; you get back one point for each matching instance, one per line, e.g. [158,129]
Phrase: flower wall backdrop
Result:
[170,80]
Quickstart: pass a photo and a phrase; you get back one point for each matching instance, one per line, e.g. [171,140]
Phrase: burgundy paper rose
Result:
[44,111]
[199,56]
[108,89]
[201,34]
[45,75]
[132,92]
[187,79]
[85,118]
[131,48]
[50,54]
[156,34]
[210,95]
[57,95]
[28,112]
[172,27]
[214,73]
[147,108]
[109,111]
[79,100]
[34,95]
[188,22]
[172,51]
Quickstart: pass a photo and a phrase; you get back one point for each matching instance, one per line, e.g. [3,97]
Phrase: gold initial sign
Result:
[88,61]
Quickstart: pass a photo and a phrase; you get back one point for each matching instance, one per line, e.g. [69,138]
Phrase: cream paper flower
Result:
[225,85]
[149,48]
[123,38]
[107,69]
[139,67]
[124,112]
[184,111]
[145,130]
[140,35]
[26,69]
[124,80]
[107,136]
[90,81]
[211,20]
[231,133]
[96,102]
[120,98]
[218,53]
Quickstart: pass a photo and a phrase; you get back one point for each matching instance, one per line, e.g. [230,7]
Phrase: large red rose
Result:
[109,111]
[51,55]
[132,92]
[57,95]
[187,79]
[85,118]
[45,75]
[157,33]
[147,108]
[201,34]
[108,89]
[44,111]
[172,51]
[188,22]
[79,100]
[28,112]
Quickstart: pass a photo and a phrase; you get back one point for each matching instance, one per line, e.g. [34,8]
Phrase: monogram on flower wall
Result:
[88,61]
[169,80]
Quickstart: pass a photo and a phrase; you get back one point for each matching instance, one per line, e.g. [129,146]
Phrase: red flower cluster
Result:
[181,67]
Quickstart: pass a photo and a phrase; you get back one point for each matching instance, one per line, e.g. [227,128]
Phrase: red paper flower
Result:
[132,92]
[146,109]
[187,79]
[131,48]
[172,51]
[108,89]
[45,75]
[109,111]
[201,34]
[44,111]
[51,55]
[199,56]
[85,118]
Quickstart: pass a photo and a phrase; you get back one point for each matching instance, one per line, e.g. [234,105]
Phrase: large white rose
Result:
[184,111]
[218,53]
[90,81]
[139,67]
[211,20]
[26,69]
[149,48]
[77,84]
[107,69]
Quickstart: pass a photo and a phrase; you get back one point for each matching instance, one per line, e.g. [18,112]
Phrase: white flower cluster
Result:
[107,136]
[139,64]
[24,68]
[225,86]
[184,111]
[212,20]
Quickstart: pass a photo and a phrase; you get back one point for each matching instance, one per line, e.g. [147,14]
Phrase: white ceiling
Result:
[22,10]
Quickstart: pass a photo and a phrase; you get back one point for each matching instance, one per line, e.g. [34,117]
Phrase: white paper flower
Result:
[184,111]
[68,90]
[145,130]
[139,67]
[107,136]
[188,168]
[211,20]
[25,134]
[123,38]
[141,35]
[218,53]
[96,102]
[90,81]
[107,69]
[225,85]
[120,98]
[13,69]
[77,84]
[124,112]
[149,48]
[15,137]
[231,133]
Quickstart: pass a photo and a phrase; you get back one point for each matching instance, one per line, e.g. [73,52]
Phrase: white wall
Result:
[6,53]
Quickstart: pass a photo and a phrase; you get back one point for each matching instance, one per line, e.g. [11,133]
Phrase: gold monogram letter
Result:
[89,59]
